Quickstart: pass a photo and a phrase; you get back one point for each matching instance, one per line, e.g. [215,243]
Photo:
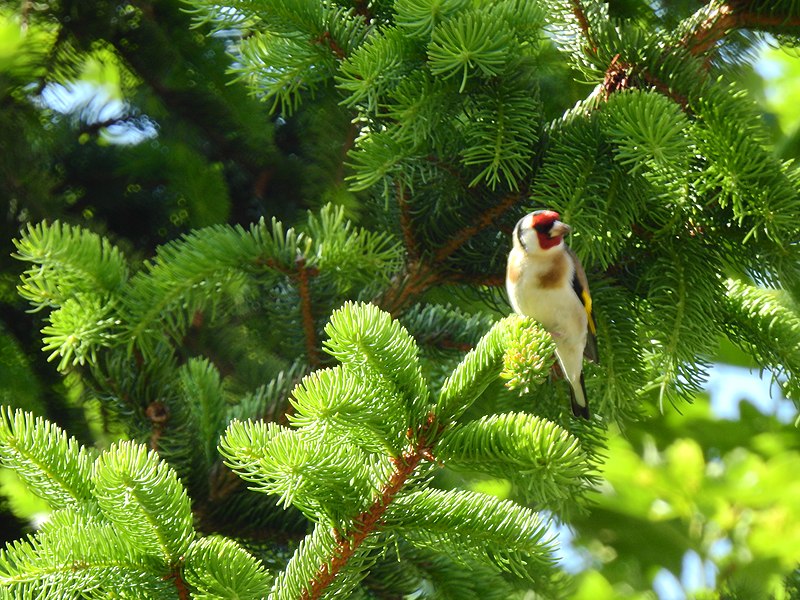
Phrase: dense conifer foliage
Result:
[267,270]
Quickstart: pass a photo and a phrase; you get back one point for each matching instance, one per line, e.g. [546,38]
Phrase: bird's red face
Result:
[549,229]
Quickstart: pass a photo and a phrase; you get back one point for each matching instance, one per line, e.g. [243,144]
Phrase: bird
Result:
[545,281]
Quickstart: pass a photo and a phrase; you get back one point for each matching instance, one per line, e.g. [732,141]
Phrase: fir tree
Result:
[296,408]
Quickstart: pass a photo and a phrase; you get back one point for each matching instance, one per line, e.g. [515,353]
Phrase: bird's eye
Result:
[543,227]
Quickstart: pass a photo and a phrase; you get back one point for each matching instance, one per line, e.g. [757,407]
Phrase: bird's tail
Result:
[577,396]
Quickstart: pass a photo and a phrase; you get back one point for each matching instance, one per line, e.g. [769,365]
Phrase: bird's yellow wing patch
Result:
[587,305]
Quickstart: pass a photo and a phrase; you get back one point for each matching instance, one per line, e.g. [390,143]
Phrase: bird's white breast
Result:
[541,288]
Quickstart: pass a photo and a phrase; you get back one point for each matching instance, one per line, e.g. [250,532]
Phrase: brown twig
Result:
[309,326]
[275,265]
[583,21]
[424,272]
[362,8]
[326,39]
[716,23]
[665,90]
[580,14]
[415,278]
[748,20]
[620,76]
[467,233]
[158,414]
[405,222]
[617,76]
[180,584]
[726,17]
[450,344]
[368,521]
[710,30]
[301,275]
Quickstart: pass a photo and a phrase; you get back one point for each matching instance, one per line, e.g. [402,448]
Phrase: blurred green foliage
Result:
[692,482]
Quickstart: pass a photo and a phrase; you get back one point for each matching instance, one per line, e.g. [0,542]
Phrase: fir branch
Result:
[269,401]
[418,19]
[136,543]
[284,68]
[287,463]
[468,45]
[353,259]
[501,135]
[365,523]
[166,296]
[483,221]
[68,261]
[664,89]
[357,481]
[741,172]
[204,393]
[718,19]
[445,326]
[142,496]
[448,577]
[343,403]
[217,567]
[543,461]
[415,278]
[528,358]
[426,271]
[375,67]
[309,325]
[479,368]
[711,29]
[82,326]
[684,295]
[74,555]
[293,582]
[500,533]
[649,132]
[583,22]
[409,237]
[765,323]
[52,465]
[369,343]
[623,370]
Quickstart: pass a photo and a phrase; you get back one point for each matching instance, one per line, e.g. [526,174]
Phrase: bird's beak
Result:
[558,229]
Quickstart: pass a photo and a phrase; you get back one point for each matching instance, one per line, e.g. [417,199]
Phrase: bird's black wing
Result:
[581,286]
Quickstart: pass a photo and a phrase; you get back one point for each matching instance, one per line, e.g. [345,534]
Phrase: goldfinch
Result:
[545,281]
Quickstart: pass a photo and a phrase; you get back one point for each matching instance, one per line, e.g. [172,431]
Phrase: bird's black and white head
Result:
[540,231]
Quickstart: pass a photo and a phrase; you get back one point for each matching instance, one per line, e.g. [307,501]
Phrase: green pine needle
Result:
[217,567]
[142,496]
[469,45]
[52,465]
